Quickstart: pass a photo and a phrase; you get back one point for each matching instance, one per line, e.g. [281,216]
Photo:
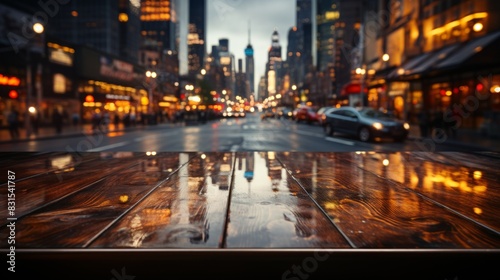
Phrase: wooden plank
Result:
[376,213]
[79,171]
[186,212]
[73,221]
[27,165]
[465,183]
[269,210]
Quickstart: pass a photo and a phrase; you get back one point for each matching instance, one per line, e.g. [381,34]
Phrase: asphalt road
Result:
[242,134]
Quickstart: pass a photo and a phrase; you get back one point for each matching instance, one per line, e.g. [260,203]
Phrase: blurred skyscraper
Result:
[196,36]
[109,26]
[250,66]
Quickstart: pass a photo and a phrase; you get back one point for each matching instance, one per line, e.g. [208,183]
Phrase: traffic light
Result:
[13,94]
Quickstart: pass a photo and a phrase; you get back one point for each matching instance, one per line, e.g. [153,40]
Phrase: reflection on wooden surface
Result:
[254,200]
[378,202]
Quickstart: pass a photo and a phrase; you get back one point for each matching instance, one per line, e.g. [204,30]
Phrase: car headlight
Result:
[378,126]
[406,126]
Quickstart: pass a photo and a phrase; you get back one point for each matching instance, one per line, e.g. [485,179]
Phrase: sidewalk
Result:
[464,138]
[73,131]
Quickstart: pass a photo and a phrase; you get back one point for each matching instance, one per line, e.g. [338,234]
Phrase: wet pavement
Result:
[231,202]
[464,138]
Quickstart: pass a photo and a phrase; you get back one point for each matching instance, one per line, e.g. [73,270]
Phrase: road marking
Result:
[109,147]
[235,148]
[349,143]
[309,134]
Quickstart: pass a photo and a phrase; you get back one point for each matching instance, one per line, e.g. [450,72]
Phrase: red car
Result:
[307,114]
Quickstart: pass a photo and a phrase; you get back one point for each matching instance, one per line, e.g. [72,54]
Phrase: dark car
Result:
[322,114]
[365,123]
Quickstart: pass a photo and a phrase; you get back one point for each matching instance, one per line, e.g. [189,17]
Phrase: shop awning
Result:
[469,50]
[434,59]
[408,66]
[352,88]
[459,55]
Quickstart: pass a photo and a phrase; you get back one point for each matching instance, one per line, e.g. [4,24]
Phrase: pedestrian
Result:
[133,118]
[105,121]
[13,120]
[35,119]
[423,122]
[96,119]
[116,120]
[75,118]
[126,120]
[57,120]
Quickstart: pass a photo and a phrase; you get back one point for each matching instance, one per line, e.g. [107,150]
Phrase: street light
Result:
[38,28]
[150,75]
[385,57]
[362,72]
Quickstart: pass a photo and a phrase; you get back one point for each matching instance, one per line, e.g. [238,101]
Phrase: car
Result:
[307,114]
[322,114]
[284,113]
[267,113]
[366,123]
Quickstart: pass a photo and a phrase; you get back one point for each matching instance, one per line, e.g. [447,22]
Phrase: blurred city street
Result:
[243,134]
[284,139]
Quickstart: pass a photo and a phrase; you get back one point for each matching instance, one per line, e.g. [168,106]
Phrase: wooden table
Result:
[288,215]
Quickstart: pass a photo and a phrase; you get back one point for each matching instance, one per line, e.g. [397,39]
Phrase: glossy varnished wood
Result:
[60,175]
[75,220]
[377,210]
[256,200]
[270,210]
[187,211]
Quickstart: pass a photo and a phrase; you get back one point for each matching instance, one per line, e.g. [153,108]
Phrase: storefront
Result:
[58,92]
[10,96]
[108,84]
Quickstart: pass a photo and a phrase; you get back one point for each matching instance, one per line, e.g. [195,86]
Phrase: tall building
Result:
[159,24]
[293,56]
[250,66]
[108,26]
[240,83]
[304,33]
[347,42]
[227,64]
[274,57]
[130,29]
[196,36]
[326,15]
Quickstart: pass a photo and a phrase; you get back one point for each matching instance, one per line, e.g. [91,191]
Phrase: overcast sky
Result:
[230,19]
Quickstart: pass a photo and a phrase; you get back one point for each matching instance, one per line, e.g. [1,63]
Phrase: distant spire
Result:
[249,32]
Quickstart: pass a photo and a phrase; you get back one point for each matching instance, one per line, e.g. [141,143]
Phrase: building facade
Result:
[441,62]
[196,36]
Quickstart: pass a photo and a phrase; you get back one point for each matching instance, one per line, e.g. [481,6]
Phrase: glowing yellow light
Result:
[123,17]
[478,175]
[123,198]
[464,187]
[38,28]
[478,27]
[385,162]
[480,189]
[478,210]
[438,179]
[450,183]
[330,206]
